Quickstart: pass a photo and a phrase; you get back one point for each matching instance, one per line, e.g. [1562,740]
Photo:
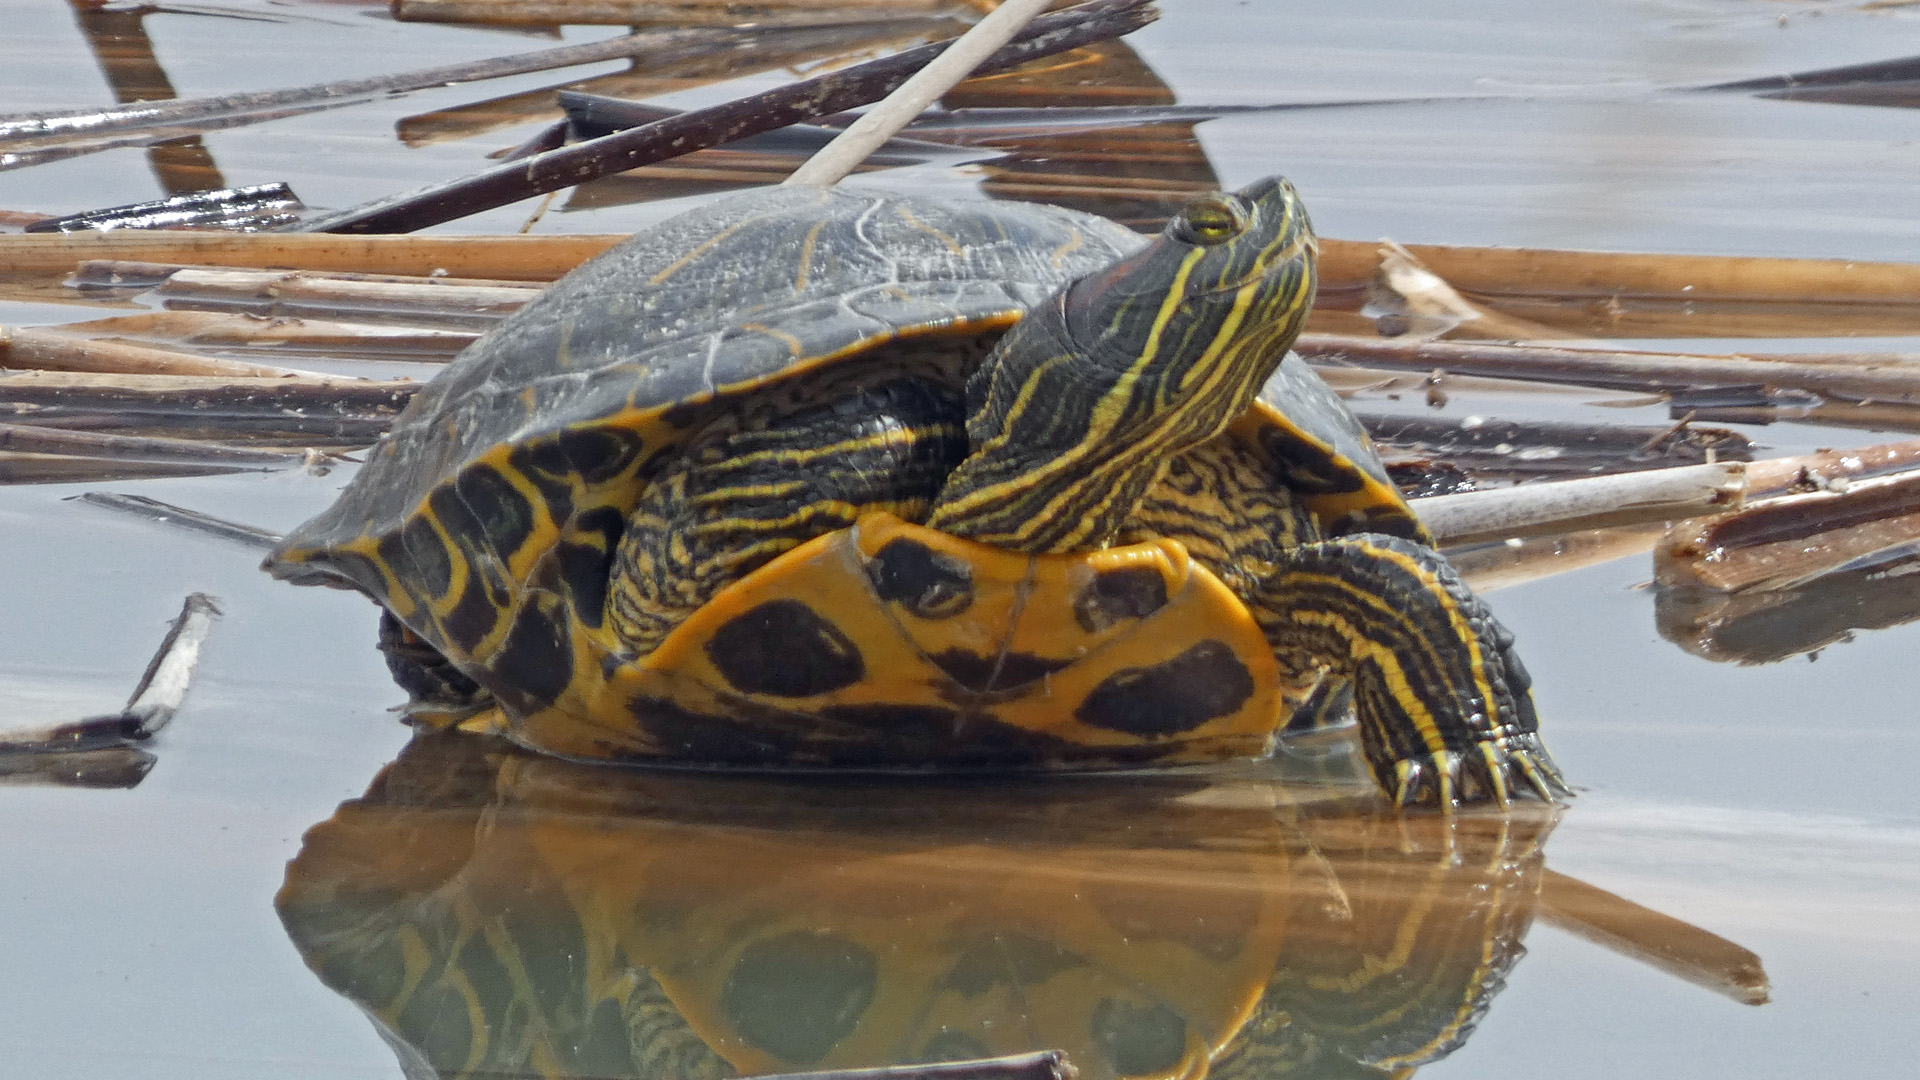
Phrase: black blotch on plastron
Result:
[927,583]
[505,515]
[786,649]
[537,656]
[1307,468]
[586,564]
[999,672]
[797,995]
[1138,1040]
[1201,684]
[1114,596]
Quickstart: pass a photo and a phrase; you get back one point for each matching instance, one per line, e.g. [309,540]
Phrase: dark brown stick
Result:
[861,84]
[1046,1065]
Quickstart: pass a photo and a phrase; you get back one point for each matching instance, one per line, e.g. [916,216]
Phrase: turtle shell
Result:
[890,645]
[486,522]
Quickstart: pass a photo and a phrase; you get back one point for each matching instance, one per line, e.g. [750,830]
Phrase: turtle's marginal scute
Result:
[783,648]
[1205,682]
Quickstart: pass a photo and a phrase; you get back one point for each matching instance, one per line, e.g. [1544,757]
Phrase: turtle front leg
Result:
[1445,707]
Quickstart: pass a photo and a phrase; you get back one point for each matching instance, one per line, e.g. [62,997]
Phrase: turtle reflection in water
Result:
[823,480]
[499,914]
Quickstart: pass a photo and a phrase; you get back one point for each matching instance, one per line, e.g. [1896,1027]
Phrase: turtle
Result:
[831,480]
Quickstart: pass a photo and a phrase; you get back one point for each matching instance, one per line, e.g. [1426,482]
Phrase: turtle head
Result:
[1084,401]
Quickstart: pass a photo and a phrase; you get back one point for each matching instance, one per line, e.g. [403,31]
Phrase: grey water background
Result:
[1772,805]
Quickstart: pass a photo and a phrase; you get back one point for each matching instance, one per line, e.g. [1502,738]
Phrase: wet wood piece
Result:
[302,411]
[417,302]
[244,209]
[17,467]
[857,85]
[668,12]
[32,348]
[1662,941]
[1790,540]
[1549,447]
[654,45]
[1890,379]
[182,518]
[1590,502]
[273,336]
[911,98]
[1046,1065]
[26,438]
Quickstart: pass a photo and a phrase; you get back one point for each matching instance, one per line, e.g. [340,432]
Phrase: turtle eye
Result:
[1210,219]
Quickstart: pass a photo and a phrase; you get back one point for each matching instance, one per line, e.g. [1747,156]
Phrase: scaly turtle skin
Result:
[807,479]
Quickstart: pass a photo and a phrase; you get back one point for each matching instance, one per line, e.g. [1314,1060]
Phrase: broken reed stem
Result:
[508,258]
[860,84]
[1689,491]
[1489,273]
[1886,379]
[1590,502]
[49,350]
[880,123]
[655,45]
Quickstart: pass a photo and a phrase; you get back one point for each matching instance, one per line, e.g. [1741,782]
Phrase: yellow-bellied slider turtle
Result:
[774,484]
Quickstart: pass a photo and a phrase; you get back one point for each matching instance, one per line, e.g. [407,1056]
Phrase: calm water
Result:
[1770,805]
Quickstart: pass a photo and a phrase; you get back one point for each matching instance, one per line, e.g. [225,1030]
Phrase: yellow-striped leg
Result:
[1445,707]
[765,480]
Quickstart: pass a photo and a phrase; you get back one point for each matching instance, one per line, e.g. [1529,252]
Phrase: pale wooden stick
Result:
[884,120]
[512,258]
[1590,502]
[49,350]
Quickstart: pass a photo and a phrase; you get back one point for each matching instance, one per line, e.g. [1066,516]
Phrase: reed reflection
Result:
[497,915]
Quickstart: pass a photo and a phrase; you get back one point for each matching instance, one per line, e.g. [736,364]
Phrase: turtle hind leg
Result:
[438,693]
[1445,707]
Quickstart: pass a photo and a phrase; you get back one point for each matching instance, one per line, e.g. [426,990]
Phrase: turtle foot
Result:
[1494,770]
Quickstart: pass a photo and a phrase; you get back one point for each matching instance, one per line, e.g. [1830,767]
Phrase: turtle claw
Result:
[1495,771]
